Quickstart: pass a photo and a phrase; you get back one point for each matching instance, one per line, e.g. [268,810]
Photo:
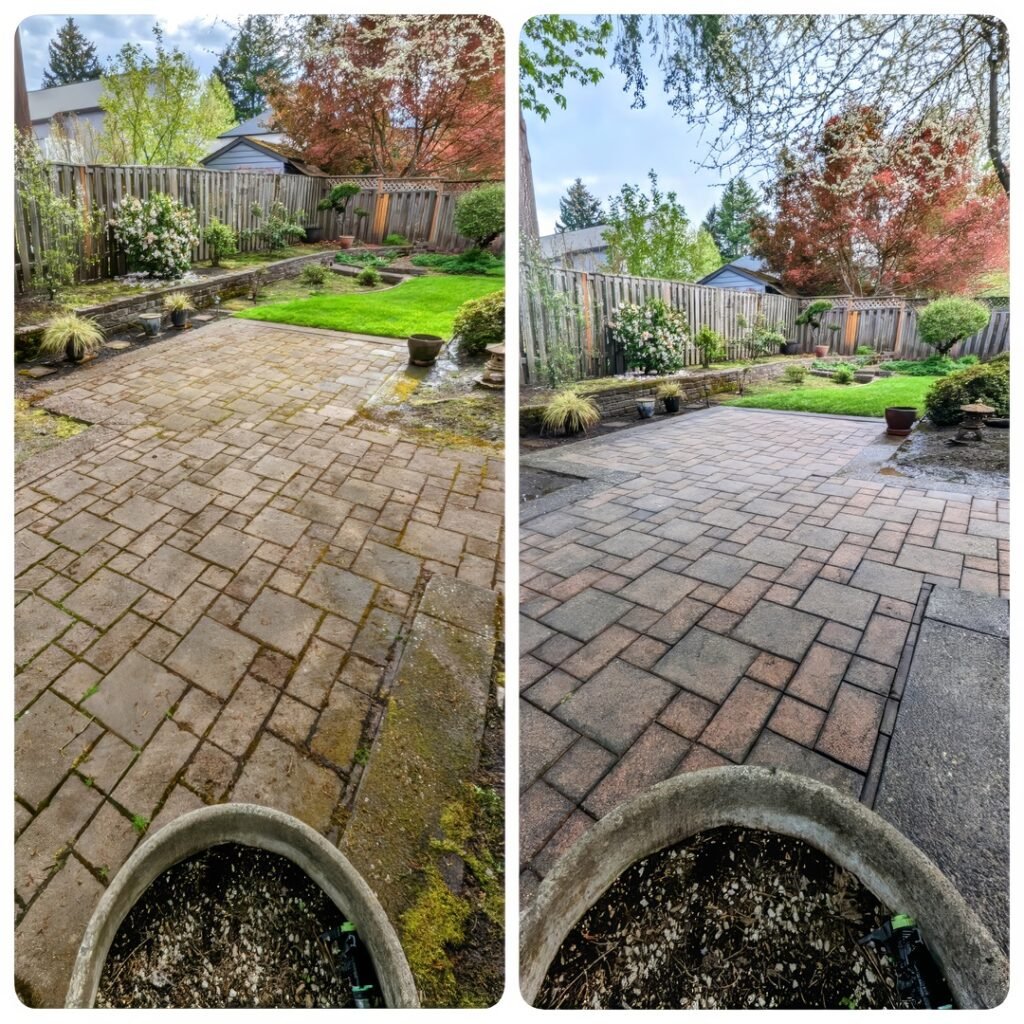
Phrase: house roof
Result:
[745,267]
[562,243]
[277,149]
[260,124]
[77,98]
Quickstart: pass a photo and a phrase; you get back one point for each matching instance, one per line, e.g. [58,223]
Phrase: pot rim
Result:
[901,408]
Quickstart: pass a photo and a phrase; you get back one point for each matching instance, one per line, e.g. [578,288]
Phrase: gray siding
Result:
[728,278]
[245,158]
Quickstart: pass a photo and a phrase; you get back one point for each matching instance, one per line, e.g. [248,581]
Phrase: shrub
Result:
[987,383]
[480,322]
[157,234]
[843,375]
[280,228]
[864,350]
[368,277]
[933,366]
[472,261]
[314,276]
[812,317]
[480,214]
[221,240]
[652,336]
[396,239]
[944,322]
[570,412]
[763,337]
[72,335]
[338,198]
[710,344]
[794,374]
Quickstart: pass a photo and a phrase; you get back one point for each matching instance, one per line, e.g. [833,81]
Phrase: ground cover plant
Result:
[933,366]
[356,258]
[422,305]
[819,394]
[472,261]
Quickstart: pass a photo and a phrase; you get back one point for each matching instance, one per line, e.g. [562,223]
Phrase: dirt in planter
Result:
[730,919]
[232,926]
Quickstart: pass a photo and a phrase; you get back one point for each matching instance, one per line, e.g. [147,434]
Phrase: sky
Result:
[201,38]
[600,139]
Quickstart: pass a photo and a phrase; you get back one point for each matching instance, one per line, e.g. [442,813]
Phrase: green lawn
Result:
[820,395]
[421,305]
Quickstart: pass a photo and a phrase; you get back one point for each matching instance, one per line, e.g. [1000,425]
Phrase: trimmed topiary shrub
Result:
[944,322]
[480,322]
[157,234]
[987,383]
[480,214]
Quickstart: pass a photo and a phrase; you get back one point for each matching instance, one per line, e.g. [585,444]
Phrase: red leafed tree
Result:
[399,95]
[864,212]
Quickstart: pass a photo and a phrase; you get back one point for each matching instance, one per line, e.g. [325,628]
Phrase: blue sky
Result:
[600,139]
[200,38]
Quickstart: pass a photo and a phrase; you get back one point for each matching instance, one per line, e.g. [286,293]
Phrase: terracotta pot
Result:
[821,351]
[424,348]
[899,420]
[345,241]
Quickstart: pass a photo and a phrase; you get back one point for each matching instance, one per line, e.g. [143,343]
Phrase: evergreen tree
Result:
[729,222]
[255,58]
[72,57]
[580,208]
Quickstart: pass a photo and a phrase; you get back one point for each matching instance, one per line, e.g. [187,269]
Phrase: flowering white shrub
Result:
[652,336]
[157,233]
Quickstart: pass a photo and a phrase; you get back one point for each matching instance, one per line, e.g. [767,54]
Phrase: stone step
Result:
[428,746]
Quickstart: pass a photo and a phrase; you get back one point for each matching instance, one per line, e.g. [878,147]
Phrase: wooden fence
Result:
[564,315]
[420,210]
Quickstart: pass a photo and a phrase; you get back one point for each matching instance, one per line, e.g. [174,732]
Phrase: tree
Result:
[580,208]
[254,59]
[72,57]
[650,236]
[399,95]
[945,322]
[159,111]
[730,221]
[757,81]
[865,211]
[480,214]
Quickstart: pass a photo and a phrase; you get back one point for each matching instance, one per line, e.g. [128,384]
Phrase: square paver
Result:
[388,565]
[888,580]
[587,614]
[212,656]
[778,629]
[234,481]
[276,468]
[681,530]
[189,497]
[103,598]
[851,728]
[81,532]
[706,663]
[771,552]
[339,591]
[278,527]
[280,621]
[169,570]
[134,698]
[838,602]
[139,513]
[715,567]
[930,560]
[658,589]
[227,547]
[616,705]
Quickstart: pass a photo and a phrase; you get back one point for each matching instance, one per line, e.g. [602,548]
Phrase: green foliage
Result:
[729,222]
[794,374]
[812,316]
[357,258]
[559,366]
[314,276]
[140,823]
[72,57]
[396,239]
[472,261]
[864,350]
[944,322]
[63,223]
[710,344]
[650,236]
[257,54]
[819,395]
[221,239]
[843,375]
[338,198]
[480,214]
[553,51]
[80,334]
[158,110]
[579,208]
[280,228]
[570,413]
[368,277]
[157,234]
[933,366]
[985,383]
[177,302]
[764,338]
[480,322]
[652,336]
[670,389]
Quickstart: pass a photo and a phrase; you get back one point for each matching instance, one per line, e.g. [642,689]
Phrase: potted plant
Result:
[670,393]
[791,347]
[151,323]
[424,348]
[75,337]
[570,413]
[337,200]
[812,317]
[178,305]
[645,407]
[900,419]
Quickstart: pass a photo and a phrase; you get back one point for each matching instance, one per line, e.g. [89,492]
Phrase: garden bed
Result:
[824,396]
[976,467]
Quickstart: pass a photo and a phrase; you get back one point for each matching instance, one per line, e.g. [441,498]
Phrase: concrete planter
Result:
[424,348]
[249,825]
[853,836]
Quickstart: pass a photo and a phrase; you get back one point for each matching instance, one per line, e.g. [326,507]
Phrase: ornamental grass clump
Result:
[570,413]
[157,234]
[71,335]
[652,336]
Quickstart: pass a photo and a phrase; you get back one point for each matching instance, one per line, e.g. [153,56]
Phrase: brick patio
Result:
[737,600]
[211,586]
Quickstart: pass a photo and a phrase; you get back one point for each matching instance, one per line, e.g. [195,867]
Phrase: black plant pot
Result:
[179,317]
[791,348]
[671,404]
[314,233]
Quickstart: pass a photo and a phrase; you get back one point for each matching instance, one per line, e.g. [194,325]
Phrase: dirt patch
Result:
[929,452]
[229,927]
[732,918]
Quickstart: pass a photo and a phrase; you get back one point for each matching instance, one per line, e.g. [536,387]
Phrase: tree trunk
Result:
[528,225]
[22,117]
[996,59]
